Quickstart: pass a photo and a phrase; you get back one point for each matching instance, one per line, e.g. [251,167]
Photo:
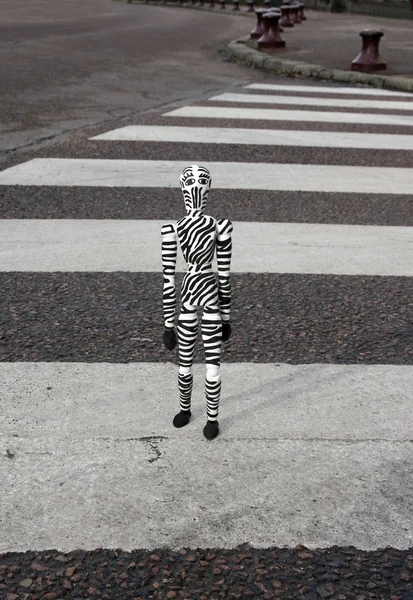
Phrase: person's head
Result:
[195,185]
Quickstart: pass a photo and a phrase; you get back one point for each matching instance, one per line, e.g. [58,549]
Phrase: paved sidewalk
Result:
[325,44]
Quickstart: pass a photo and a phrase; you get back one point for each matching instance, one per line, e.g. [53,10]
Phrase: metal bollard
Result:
[295,14]
[222,4]
[259,27]
[267,4]
[302,7]
[278,12]
[236,5]
[250,4]
[271,37]
[286,20]
[369,58]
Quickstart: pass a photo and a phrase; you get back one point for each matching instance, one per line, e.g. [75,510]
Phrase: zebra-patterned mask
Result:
[195,185]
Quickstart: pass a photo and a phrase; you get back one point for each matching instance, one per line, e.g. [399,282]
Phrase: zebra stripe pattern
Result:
[224,252]
[212,335]
[211,327]
[200,236]
[195,185]
[187,333]
[212,394]
[185,383]
[169,253]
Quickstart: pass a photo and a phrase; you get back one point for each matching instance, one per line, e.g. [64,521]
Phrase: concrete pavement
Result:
[66,65]
[324,45]
[315,440]
[312,454]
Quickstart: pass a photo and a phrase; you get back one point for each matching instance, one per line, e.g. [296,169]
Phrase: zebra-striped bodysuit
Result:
[199,237]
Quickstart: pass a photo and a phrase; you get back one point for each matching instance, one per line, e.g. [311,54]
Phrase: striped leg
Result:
[185,390]
[212,337]
[187,332]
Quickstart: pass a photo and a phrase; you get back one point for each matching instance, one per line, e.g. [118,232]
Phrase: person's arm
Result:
[169,252]
[224,251]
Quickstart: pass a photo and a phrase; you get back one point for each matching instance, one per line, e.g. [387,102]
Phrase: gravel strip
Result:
[297,319]
[158,118]
[330,92]
[79,143]
[33,202]
[273,124]
[312,108]
[129,150]
[343,573]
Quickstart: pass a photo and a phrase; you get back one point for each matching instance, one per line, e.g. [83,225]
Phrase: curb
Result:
[217,10]
[240,52]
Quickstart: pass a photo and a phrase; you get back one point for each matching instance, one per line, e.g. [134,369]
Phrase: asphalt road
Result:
[315,419]
[68,64]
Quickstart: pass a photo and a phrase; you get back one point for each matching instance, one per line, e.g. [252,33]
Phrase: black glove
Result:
[226,331]
[169,339]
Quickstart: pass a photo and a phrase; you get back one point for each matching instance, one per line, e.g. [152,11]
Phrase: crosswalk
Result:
[315,419]
[280,137]
[95,172]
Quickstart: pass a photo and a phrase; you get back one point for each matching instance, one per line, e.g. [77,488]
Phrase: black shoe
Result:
[169,339]
[211,430]
[182,418]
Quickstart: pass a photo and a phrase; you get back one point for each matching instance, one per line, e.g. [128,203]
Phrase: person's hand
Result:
[169,339]
[226,331]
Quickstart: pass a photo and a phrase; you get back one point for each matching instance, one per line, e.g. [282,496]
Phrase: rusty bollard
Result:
[278,12]
[295,13]
[271,37]
[302,7]
[369,58]
[267,4]
[222,4]
[250,5]
[286,20]
[259,27]
[236,5]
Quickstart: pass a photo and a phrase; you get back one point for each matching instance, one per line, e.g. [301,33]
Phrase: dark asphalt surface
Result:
[234,153]
[245,572]
[32,202]
[312,108]
[95,317]
[293,124]
[70,64]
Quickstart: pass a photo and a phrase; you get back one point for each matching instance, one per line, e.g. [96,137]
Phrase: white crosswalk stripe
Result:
[110,245]
[274,114]
[314,89]
[85,387]
[292,432]
[227,175]
[267,137]
[322,102]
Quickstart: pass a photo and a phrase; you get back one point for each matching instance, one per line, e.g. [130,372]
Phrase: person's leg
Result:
[187,332]
[212,338]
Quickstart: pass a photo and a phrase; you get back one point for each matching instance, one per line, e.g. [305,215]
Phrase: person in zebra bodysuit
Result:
[199,236]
